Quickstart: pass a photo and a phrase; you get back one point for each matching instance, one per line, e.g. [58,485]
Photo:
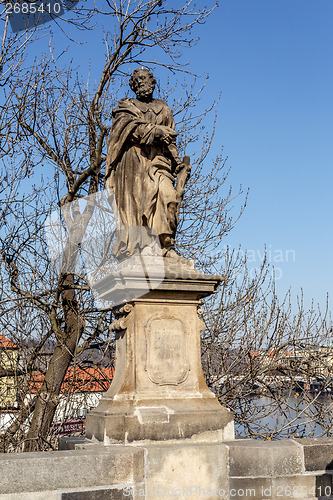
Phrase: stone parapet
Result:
[239,469]
[271,458]
[318,453]
[64,474]
[286,469]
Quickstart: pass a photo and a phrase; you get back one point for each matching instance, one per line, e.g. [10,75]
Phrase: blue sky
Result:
[272,61]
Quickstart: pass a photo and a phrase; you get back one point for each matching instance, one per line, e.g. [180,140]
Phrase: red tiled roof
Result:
[90,379]
[271,354]
[8,344]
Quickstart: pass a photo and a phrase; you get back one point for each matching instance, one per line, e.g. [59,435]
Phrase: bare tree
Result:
[54,132]
[62,124]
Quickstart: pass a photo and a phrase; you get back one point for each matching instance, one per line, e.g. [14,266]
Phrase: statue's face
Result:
[143,84]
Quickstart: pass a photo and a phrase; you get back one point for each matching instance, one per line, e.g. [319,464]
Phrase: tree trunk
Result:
[48,398]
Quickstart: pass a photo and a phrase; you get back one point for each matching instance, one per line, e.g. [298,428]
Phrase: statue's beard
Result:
[144,92]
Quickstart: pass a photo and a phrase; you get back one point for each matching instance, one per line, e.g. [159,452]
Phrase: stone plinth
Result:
[159,392]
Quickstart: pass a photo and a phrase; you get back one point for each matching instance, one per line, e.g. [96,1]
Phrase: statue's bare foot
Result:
[170,253]
[147,250]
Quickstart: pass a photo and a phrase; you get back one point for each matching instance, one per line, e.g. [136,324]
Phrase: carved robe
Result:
[140,173]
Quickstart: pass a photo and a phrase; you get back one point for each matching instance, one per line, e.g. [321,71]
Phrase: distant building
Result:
[274,359]
[9,357]
[80,392]
[313,361]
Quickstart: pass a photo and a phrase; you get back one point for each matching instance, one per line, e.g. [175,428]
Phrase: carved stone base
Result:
[159,392]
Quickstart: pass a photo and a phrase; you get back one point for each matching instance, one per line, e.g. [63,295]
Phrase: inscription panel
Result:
[167,359]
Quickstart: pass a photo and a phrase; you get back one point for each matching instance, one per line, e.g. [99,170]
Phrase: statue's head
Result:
[142,82]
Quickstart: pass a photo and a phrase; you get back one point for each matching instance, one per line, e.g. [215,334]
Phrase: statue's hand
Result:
[184,167]
[164,134]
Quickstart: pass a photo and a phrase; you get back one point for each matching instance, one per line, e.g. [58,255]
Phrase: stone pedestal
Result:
[159,392]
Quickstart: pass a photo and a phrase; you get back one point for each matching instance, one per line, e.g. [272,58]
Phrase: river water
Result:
[299,416]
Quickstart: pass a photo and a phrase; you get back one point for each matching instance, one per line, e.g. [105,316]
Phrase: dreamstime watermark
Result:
[24,15]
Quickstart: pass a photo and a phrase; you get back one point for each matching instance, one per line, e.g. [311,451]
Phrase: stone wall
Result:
[94,473]
[285,469]
[232,470]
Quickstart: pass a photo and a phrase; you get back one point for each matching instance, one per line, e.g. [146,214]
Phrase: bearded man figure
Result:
[141,168]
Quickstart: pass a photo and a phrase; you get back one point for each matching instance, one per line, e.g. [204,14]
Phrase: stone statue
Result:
[158,393]
[143,169]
